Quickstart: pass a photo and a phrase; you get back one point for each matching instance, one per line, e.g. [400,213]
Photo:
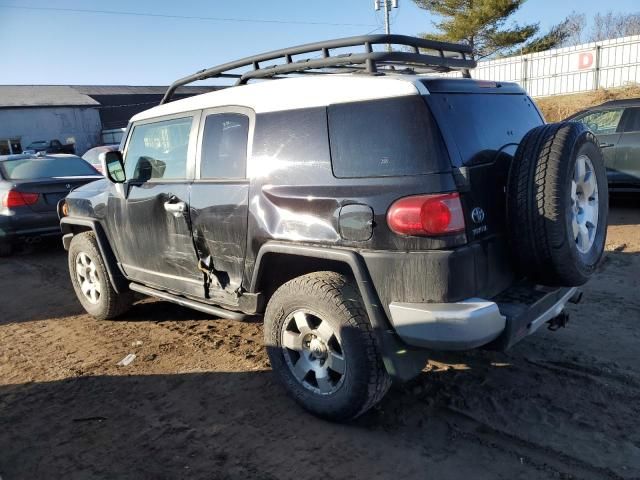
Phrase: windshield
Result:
[40,143]
[30,168]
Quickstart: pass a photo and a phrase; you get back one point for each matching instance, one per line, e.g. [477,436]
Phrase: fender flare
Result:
[401,361]
[116,276]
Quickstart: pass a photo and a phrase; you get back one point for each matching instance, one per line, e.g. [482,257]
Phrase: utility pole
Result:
[388,4]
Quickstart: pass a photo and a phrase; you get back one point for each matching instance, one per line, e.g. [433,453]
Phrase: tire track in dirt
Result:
[589,414]
[540,457]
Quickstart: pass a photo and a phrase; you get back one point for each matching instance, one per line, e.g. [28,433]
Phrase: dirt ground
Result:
[199,400]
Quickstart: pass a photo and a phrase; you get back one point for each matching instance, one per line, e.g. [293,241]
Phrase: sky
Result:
[88,48]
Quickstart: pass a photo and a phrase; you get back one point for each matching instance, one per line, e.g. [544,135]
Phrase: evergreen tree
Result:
[482,24]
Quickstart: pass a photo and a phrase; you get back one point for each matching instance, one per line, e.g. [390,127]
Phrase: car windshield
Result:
[40,143]
[30,168]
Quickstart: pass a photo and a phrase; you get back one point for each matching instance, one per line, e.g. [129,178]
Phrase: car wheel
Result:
[557,204]
[322,348]
[91,281]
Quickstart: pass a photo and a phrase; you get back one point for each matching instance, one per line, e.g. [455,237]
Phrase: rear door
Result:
[626,164]
[149,214]
[482,128]
[220,198]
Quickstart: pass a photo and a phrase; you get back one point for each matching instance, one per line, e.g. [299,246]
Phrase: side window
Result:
[602,122]
[632,121]
[158,150]
[224,146]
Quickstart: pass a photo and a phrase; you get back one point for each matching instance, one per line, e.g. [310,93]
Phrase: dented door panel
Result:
[154,245]
[219,222]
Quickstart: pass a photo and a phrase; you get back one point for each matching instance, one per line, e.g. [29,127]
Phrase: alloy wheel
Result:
[584,204]
[87,276]
[313,352]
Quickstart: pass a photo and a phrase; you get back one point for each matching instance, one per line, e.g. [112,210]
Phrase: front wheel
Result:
[322,348]
[91,281]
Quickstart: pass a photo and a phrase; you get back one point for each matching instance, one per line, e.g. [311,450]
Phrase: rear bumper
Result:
[478,270]
[29,224]
[476,322]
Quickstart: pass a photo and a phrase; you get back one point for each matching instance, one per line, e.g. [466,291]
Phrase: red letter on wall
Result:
[585,60]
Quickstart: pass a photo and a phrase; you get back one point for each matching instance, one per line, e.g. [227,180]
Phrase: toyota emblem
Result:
[68,186]
[477,215]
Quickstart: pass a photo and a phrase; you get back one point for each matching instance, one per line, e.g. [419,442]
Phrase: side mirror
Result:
[113,166]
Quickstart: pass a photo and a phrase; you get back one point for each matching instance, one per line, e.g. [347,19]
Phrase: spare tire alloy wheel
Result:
[557,204]
[584,204]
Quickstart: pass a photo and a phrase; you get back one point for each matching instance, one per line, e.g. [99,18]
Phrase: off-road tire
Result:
[337,300]
[110,304]
[539,204]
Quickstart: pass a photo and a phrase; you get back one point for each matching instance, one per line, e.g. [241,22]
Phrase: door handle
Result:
[175,208]
[605,145]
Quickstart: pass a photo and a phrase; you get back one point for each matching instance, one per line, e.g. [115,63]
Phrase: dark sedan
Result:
[30,188]
[617,126]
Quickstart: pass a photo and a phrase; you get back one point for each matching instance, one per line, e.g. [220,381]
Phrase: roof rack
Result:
[417,56]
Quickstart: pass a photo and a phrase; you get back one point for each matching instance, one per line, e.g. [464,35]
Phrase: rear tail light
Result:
[13,199]
[425,215]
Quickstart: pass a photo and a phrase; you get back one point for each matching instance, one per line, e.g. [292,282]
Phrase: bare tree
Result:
[576,29]
[613,25]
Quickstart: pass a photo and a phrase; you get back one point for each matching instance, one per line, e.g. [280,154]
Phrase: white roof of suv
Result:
[295,92]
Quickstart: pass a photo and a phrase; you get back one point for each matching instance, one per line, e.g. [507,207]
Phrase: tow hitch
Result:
[558,322]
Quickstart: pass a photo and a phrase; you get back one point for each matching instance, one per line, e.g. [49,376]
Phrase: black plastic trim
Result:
[185,302]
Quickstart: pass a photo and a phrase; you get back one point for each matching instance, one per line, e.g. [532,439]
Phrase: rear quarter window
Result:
[384,138]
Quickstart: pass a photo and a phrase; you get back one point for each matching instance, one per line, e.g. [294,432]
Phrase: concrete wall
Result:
[80,125]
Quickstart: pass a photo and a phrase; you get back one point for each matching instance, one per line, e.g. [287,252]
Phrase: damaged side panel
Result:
[219,222]
[294,195]
[154,246]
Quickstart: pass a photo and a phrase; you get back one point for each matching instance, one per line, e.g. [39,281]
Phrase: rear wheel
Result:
[322,348]
[91,281]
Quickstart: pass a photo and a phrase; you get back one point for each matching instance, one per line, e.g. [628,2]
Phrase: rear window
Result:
[483,124]
[384,138]
[28,168]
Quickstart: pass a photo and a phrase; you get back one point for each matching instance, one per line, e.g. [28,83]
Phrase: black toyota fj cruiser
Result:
[370,212]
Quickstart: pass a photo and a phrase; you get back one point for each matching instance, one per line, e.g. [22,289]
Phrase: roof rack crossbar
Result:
[445,57]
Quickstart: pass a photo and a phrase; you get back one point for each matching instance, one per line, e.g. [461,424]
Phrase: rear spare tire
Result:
[557,204]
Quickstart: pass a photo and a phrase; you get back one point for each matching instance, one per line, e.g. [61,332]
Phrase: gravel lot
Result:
[199,400]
